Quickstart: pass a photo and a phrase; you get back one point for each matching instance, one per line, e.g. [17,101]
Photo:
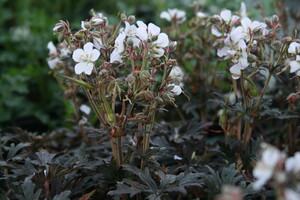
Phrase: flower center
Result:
[86,57]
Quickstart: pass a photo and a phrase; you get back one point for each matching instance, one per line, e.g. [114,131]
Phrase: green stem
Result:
[144,59]
[263,92]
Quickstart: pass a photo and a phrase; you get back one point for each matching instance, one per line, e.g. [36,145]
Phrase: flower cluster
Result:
[238,34]
[275,164]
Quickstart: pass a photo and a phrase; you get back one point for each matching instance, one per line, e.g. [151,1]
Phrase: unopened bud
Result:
[85,25]
[96,21]
[79,35]
[61,26]
[149,96]
[172,46]
[275,19]
[123,17]
[131,19]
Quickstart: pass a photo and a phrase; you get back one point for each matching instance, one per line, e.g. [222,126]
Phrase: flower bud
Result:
[172,46]
[85,25]
[149,96]
[61,26]
[79,35]
[123,17]
[130,79]
[96,21]
[275,19]
[131,19]
[292,98]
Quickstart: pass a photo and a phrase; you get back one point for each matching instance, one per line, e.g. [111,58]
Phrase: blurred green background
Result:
[29,96]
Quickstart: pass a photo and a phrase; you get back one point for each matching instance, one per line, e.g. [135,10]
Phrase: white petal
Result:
[262,173]
[223,51]
[115,56]
[52,48]
[246,23]
[77,54]
[235,71]
[177,157]
[291,194]
[234,19]
[142,33]
[271,156]
[95,55]
[295,66]
[176,89]
[153,30]
[98,43]
[141,24]
[162,40]
[201,14]
[215,31]
[84,108]
[119,42]
[53,62]
[293,47]
[88,68]
[79,67]
[88,47]
[82,25]
[289,164]
[242,44]
[226,15]
[158,52]
[243,11]
[236,34]
[298,58]
[165,15]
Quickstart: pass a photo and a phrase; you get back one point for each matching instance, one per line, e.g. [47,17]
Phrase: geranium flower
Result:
[227,17]
[130,31]
[294,48]
[174,15]
[264,169]
[250,26]
[176,90]
[149,32]
[119,48]
[85,58]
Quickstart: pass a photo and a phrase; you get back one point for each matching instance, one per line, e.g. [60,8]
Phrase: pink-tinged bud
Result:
[131,19]
[275,19]
[292,98]
[172,46]
[61,26]
[97,21]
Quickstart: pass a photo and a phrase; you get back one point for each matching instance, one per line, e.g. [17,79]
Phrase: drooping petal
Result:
[77,55]
[115,56]
[95,55]
[88,68]
[80,67]
[88,47]
[165,15]
[295,66]
[153,30]
[176,89]
[226,15]
[162,40]
[235,71]
[158,52]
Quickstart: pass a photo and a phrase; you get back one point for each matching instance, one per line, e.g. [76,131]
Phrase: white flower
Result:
[177,157]
[146,33]
[85,58]
[293,163]
[176,89]
[215,31]
[239,65]
[264,169]
[52,48]
[201,14]
[84,108]
[174,14]
[130,31]
[249,27]
[294,48]
[291,194]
